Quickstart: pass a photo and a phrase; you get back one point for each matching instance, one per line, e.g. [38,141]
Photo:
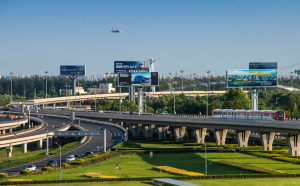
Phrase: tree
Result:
[236,99]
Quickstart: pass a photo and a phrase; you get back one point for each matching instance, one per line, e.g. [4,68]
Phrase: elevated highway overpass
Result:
[111,96]
[179,126]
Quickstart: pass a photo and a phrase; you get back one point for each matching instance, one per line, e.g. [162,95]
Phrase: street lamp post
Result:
[181,71]
[11,75]
[205,156]
[95,99]
[208,92]
[194,81]
[60,172]
[46,72]
[174,104]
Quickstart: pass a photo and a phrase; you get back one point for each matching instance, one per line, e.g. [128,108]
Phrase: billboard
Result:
[138,79]
[72,70]
[131,66]
[263,65]
[124,79]
[251,78]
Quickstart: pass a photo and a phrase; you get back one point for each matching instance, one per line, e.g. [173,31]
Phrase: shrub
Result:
[65,165]
[47,168]
[3,175]
[26,172]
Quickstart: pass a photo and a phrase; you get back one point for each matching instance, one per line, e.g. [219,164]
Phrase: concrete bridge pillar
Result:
[294,145]
[149,129]
[200,135]
[140,129]
[162,132]
[9,151]
[50,142]
[243,137]
[40,144]
[134,130]
[267,140]
[24,148]
[220,135]
[10,130]
[179,133]
[3,131]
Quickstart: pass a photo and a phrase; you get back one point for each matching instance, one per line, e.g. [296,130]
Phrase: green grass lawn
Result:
[20,158]
[253,160]
[141,166]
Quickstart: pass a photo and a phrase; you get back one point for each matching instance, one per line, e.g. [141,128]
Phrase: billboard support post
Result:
[73,78]
[140,100]
[131,93]
[254,99]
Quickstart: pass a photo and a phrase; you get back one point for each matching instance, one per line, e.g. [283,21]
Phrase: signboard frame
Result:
[131,66]
[72,70]
[263,65]
[259,73]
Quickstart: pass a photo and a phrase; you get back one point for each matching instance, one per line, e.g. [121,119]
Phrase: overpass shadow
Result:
[194,162]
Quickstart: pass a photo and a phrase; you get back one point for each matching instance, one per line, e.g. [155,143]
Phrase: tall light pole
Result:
[205,156]
[174,104]
[208,92]
[11,77]
[60,173]
[46,72]
[194,81]
[181,71]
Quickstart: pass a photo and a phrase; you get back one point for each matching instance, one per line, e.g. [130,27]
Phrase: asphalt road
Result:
[95,143]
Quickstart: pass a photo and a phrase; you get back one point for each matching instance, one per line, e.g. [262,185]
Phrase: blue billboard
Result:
[72,70]
[140,78]
[251,78]
[131,66]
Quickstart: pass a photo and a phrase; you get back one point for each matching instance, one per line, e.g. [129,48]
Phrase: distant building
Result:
[103,88]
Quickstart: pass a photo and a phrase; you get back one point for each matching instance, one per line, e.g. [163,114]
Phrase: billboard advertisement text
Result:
[263,65]
[72,70]
[131,66]
[251,78]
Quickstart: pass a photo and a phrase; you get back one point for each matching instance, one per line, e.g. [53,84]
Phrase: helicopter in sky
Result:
[115,31]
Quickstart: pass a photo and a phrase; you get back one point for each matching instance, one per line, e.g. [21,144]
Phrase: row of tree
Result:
[232,99]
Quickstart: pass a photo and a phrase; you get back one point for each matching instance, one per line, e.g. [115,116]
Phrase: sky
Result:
[191,35]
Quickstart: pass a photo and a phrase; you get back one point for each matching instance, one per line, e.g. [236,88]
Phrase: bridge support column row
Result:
[294,145]
[221,136]
[200,135]
[133,129]
[149,129]
[162,132]
[267,140]
[179,133]
[243,137]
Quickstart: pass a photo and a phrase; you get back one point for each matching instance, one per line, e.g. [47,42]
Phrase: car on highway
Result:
[88,153]
[164,113]
[100,111]
[31,168]
[52,163]
[70,158]
[77,156]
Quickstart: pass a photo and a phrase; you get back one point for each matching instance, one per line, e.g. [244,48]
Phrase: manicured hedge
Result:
[25,172]
[241,176]
[3,175]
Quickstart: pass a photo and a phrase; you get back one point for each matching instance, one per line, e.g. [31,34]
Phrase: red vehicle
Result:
[250,114]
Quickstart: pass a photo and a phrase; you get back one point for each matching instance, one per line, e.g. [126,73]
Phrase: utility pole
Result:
[181,71]
[11,77]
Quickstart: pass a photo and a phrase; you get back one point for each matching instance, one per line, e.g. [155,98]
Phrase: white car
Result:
[31,168]
[164,113]
[70,158]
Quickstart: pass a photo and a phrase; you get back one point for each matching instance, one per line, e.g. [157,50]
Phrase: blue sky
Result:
[193,35]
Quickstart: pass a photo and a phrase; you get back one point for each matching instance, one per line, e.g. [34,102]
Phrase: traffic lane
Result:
[51,125]
[91,144]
